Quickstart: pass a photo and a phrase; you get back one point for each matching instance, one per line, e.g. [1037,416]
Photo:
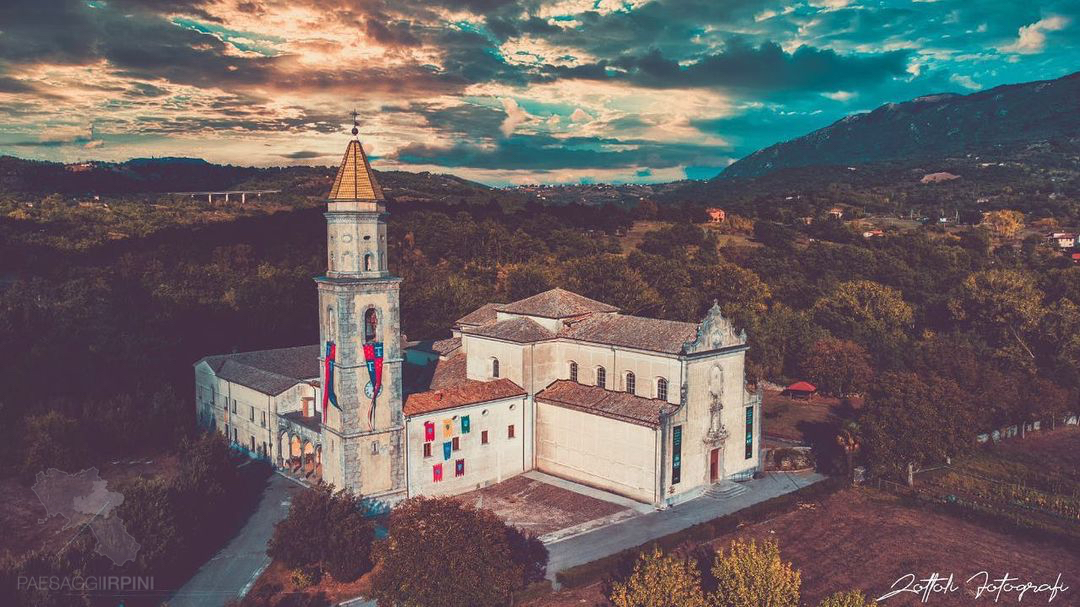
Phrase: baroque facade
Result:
[653,410]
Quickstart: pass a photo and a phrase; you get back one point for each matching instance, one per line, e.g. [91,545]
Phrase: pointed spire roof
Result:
[355,180]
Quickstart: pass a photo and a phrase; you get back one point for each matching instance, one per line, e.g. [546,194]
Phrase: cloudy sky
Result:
[501,91]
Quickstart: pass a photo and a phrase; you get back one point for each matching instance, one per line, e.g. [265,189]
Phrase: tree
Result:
[908,422]
[659,580]
[472,550]
[53,440]
[753,575]
[838,366]
[525,281]
[609,278]
[865,311]
[328,528]
[1004,223]
[779,341]
[851,598]
[1004,306]
[741,293]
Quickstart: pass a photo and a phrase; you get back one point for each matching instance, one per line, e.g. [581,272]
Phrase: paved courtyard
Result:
[609,539]
[550,507]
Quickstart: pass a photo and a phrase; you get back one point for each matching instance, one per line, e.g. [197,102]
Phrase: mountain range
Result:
[991,123]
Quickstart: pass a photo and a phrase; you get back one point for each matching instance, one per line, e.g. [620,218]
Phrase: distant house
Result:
[716,215]
[873,233]
[836,212]
[1064,240]
[803,390]
[1076,258]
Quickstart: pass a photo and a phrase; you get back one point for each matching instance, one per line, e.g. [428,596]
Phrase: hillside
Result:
[991,124]
[142,176]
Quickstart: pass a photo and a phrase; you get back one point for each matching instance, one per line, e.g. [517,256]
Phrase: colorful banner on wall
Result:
[373,356]
[447,449]
[459,468]
[436,472]
[447,428]
[328,395]
[464,424]
[429,431]
[676,455]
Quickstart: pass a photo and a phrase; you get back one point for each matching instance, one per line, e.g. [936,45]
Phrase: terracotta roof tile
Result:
[469,392]
[484,315]
[607,403]
[556,303]
[651,334]
[521,330]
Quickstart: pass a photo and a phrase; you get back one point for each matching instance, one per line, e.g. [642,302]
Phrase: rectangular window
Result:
[252,416]
[234,436]
[483,437]
[427,449]
[457,445]
[459,468]
[264,419]
[252,443]
[676,455]
[375,447]
[749,432]
[234,405]
[510,431]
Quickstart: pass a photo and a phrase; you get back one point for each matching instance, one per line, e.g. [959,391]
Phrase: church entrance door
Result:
[714,465]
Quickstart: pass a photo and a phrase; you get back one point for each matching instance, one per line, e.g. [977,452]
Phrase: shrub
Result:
[749,574]
[659,580]
[851,598]
[432,540]
[305,577]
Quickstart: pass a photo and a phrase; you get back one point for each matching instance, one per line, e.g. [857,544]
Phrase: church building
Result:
[654,410]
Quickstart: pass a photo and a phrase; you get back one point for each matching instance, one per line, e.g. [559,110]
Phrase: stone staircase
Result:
[724,490]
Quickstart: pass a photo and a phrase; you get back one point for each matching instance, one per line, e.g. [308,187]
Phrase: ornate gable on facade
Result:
[714,333]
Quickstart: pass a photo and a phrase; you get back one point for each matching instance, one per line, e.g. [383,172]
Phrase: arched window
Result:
[601,377]
[367,262]
[494,367]
[371,325]
[573,371]
[630,382]
[661,389]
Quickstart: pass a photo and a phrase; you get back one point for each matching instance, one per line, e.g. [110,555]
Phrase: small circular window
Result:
[484,412]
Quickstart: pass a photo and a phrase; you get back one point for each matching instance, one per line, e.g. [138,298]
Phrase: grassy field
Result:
[863,538]
[867,539]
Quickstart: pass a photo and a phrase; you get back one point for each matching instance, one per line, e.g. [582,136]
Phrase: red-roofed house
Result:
[801,389]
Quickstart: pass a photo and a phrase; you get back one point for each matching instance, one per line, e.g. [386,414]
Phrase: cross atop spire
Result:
[355,124]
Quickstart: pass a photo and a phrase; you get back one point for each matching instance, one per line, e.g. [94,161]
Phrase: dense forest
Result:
[945,329]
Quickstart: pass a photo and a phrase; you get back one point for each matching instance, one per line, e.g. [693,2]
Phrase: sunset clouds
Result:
[495,90]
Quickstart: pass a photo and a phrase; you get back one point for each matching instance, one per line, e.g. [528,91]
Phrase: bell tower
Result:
[359,329]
